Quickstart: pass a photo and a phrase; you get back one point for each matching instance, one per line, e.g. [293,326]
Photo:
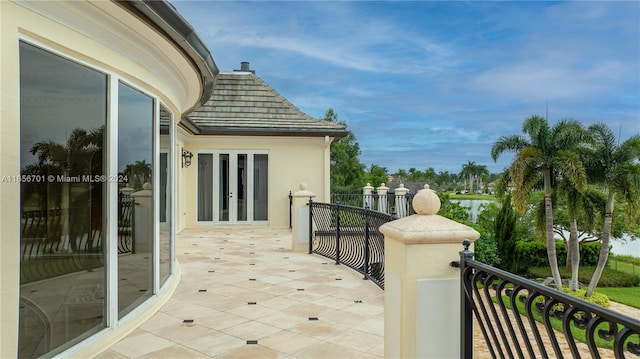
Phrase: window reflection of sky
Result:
[135,127]
[56,97]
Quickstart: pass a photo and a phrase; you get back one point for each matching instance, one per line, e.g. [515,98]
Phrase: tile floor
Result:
[244,294]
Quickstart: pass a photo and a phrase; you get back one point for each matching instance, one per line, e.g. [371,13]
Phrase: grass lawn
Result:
[487,197]
[629,295]
[625,264]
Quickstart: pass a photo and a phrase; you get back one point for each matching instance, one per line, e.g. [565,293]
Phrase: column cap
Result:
[401,190]
[426,226]
[303,192]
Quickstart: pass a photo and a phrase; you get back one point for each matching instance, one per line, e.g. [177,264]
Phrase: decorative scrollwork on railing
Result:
[518,316]
[350,236]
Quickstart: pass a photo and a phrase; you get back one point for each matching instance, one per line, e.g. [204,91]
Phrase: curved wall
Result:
[107,39]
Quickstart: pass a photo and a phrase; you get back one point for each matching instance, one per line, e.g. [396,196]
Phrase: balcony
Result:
[245,294]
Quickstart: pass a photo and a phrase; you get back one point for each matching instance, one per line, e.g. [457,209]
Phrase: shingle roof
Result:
[243,104]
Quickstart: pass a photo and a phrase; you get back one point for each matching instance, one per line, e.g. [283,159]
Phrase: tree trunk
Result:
[574,251]
[551,243]
[604,250]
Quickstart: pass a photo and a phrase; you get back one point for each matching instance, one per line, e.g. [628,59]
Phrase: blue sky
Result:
[435,83]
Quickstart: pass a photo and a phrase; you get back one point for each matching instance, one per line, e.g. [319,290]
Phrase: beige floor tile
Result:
[160,320]
[192,311]
[252,330]
[283,320]
[288,342]
[373,326]
[280,302]
[328,350]
[356,339]
[184,332]
[309,310]
[214,345]
[378,350]
[222,320]
[252,312]
[175,352]
[141,344]
[317,329]
[252,351]
[110,354]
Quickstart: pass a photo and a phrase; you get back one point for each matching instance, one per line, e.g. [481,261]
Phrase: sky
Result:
[436,83]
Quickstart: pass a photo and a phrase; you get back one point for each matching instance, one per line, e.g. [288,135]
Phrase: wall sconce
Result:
[333,162]
[186,158]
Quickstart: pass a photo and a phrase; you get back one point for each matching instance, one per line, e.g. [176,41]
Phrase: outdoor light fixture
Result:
[186,158]
[333,162]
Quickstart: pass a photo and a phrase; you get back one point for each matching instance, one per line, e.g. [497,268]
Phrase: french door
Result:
[233,187]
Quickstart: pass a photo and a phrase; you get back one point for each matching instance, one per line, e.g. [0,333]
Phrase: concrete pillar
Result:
[382,198]
[143,213]
[401,200]
[300,219]
[367,197]
[422,290]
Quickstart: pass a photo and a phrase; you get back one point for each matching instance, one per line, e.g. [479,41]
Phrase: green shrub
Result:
[596,298]
[486,251]
[534,254]
[610,277]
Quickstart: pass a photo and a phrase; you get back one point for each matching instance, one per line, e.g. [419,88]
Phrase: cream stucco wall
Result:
[101,35]
[292,160]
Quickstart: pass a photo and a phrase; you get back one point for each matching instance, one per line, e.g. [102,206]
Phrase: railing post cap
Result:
[426,201]
[401,190]
[303,192]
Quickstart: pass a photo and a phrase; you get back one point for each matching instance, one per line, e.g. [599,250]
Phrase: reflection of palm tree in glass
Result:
[80,156]
[138,173]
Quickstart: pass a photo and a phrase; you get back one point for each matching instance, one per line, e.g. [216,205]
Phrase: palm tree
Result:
[480,171]
[468,170]
[80,155]
[545,155]
[582,209]
[617,169]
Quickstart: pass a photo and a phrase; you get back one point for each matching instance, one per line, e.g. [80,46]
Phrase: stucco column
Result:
[422,290]
[367,197]
[300,219]
[382,197]
[143,214]
[401,200]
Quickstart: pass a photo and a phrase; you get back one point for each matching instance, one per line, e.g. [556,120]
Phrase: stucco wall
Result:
[103,36]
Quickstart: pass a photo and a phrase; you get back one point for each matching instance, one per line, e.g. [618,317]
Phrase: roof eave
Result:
[272,132]
[163,16]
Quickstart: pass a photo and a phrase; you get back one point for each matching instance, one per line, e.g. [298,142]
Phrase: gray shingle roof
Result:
[243,104]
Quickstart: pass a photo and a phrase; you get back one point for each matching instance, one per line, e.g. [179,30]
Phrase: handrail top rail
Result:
[354,208]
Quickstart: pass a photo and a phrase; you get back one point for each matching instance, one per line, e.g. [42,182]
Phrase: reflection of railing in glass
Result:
[47,252]
[125,222]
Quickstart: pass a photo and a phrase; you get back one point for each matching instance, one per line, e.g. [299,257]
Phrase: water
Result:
[624,246]
[474,205]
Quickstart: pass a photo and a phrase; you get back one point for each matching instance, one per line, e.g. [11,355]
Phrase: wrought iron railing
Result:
[350,236]
[490,295]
